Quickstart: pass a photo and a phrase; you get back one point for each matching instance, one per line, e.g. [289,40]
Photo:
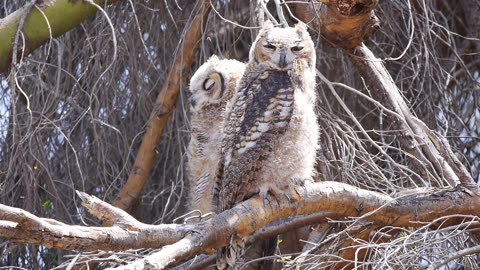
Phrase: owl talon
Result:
[282,198]
[278,194]
[264,196]
[294,196]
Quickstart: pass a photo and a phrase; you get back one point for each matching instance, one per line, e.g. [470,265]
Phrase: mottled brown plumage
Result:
[271,131]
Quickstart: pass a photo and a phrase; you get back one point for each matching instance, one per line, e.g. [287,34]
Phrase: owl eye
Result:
[208,84]
[269,46]
[297,48]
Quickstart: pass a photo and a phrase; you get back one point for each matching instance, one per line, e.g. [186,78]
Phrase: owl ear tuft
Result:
[301,28]
[214,58]
[267,26]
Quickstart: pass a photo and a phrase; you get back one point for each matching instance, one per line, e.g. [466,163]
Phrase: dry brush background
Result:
[79,109]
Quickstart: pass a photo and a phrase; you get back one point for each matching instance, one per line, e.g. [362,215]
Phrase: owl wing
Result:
[261,111]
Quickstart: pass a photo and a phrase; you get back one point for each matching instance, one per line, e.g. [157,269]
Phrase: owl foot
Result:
[279,195]
[293,195]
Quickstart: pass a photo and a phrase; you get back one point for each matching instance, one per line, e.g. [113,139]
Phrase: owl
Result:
[271,131]
[211,86]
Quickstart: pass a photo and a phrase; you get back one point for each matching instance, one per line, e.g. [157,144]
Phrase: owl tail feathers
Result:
[227,256]
[222,258]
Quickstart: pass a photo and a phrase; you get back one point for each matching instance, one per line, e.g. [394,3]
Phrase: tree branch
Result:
[355,21]
[62,16]
[180,242]
[432,158]
[343,23]
[164,105]
[128,233]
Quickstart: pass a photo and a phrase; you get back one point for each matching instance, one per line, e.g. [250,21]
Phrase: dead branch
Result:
[343,23]
[198,263]
[24,227]
[432,158]
[107,213]
[414,134]
[164,106]
[432,154]
[455,255]
[181,242]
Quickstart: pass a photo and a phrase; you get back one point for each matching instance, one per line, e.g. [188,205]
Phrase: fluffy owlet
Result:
[271,130]
[212,85]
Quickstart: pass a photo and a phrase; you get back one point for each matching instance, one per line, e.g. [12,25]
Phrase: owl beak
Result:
[192,102]
[283,60]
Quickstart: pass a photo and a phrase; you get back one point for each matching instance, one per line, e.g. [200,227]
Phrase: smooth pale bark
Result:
[22,227]
[50,18]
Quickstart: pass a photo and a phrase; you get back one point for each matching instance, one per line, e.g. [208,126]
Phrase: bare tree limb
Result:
[413,132]
[106,212]
[343,23]
[198,263]
[341,199]
[49,19]
[429,151]
[23,227]
[278,6]
[328,199]
[432,158]
[164,104]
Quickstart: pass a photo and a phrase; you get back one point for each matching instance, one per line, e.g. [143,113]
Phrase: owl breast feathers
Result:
[271,130]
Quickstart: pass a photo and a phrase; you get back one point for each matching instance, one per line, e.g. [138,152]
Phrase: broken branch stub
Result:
[343,23]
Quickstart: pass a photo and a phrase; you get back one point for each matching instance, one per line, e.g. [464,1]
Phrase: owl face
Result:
[214,82]
[281,47]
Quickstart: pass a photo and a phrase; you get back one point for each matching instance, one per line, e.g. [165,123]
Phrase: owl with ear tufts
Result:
[271,131]
[211,87]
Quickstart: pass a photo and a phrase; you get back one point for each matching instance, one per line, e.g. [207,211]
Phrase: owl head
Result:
[214,82]
[281,47]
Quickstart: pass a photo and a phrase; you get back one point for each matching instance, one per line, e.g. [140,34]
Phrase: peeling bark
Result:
[180,242]
[343,23]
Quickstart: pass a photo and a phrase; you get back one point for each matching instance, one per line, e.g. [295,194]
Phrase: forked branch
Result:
[180,242]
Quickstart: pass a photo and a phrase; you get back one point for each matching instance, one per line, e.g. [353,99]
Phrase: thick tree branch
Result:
[341,199]
[48,19]
[164,105]
[180,242]
[24,227]
[343,23]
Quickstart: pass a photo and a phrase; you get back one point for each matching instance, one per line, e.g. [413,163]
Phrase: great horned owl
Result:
[271,130]
[212,85]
